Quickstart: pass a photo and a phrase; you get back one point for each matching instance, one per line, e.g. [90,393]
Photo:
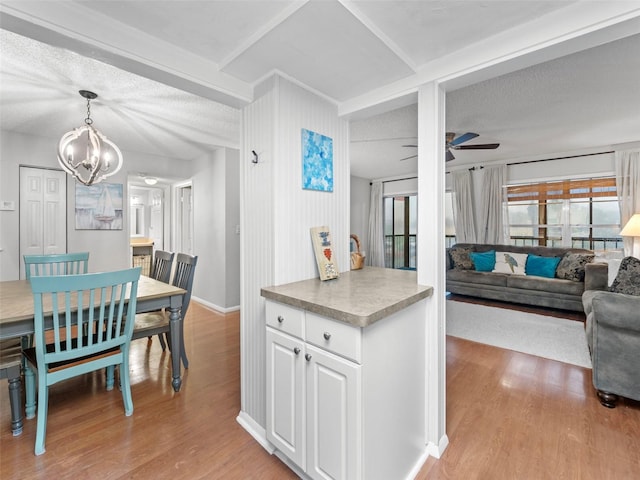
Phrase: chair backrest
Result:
[56,264]
[92,313]
[183,277]
[161,268]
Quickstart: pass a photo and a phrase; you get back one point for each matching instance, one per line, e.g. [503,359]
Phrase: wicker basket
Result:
[357,259]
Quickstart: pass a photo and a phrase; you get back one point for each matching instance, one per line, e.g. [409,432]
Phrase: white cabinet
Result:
[345,402]
[313,415]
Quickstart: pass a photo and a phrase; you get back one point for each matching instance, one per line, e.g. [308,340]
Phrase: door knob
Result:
[296,350]
[327,335]
[280,318]
[307,357]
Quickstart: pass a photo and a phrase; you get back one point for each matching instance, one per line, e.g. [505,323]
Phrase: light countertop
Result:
[359,297]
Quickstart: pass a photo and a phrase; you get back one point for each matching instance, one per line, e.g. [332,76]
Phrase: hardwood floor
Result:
[509,416]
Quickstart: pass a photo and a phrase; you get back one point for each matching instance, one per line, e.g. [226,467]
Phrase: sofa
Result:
[613,331]
[558,287]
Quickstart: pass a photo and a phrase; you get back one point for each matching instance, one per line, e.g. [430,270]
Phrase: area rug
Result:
[540,335]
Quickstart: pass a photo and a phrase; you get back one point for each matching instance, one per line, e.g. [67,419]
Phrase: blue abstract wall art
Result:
[317,161]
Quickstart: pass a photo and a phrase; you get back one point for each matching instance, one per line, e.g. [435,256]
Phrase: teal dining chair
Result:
[152,323]
[56,264]
[90,329]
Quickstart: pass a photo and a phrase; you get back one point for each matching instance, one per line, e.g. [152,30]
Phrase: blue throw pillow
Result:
[541,266]
[483,261]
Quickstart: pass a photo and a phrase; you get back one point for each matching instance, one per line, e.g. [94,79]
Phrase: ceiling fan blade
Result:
[463,138]
[449,156]
[407,158]
[480,146]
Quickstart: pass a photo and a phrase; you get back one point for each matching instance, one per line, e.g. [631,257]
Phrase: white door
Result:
[156,224]
[43,212]
[185,224]
[333,416]
[285,395]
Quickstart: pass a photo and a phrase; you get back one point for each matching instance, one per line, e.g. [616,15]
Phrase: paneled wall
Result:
[278,213]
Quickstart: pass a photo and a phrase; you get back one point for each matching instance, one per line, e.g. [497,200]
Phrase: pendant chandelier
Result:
[87,154]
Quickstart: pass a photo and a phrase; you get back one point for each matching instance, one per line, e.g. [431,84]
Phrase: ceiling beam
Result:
[89,33]
[562,32]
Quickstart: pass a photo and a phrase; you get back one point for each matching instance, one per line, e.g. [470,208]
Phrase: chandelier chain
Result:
[88,120]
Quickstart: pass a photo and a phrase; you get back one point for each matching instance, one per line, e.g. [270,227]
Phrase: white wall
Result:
[360,199]
[108,250]
[215,208]
[277,213]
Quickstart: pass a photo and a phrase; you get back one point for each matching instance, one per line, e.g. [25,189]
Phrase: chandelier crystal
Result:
[87,154]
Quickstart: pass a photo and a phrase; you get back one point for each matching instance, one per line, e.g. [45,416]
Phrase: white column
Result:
[431,248]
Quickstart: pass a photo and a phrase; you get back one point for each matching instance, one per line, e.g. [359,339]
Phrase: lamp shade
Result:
[632,228]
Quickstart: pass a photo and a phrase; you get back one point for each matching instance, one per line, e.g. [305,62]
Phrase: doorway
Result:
[43,212]
[183,231]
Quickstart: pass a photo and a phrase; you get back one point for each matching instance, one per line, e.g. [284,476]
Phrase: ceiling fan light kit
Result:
[92,157]
[453,143]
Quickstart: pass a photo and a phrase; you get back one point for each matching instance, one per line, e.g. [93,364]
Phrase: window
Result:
[575,213]
[400,229]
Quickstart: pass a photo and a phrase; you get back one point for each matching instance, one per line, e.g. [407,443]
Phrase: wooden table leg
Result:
[176,341]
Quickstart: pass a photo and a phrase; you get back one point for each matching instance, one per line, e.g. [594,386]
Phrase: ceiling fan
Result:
[453,143]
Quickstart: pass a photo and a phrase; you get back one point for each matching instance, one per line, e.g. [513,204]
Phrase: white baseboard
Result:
[436,451]
[215,307]
[256,431]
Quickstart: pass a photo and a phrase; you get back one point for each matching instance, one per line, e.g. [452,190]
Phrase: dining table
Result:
[17,312]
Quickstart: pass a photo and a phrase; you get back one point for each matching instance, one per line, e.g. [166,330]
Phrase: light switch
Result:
[7,205]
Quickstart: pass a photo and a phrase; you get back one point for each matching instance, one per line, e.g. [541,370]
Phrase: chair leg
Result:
[183,351]
[110,377]
[41,423]
[125,385]
[162,342]
[15,391]
[30,391]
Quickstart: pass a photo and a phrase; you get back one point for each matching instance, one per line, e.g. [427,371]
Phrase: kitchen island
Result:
[346,374]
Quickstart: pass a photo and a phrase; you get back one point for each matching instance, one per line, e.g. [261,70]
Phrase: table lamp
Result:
[632,229]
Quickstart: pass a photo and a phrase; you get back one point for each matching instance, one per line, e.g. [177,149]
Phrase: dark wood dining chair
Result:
[161,266]
[152,323]
[56,264]
[92,324]
[11,369]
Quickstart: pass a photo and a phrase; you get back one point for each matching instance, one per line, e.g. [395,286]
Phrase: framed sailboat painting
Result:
[99,207]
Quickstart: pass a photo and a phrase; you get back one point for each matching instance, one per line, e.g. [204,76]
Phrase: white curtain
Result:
[492,205]
[628,186]
[375,255]
[463,206]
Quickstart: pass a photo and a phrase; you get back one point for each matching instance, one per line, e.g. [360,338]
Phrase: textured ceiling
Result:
[587,100]
[172,75]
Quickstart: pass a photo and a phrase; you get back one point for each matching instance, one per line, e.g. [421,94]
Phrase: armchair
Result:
[613,336]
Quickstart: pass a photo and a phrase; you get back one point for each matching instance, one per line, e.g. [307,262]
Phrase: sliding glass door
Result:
[400,230]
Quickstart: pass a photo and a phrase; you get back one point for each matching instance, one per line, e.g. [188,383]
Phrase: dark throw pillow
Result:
[460,258]
[571,267]
[628,278]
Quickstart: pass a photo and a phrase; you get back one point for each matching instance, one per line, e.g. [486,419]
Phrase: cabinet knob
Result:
[308,357]
[327,335]
[280,319]
[296,350]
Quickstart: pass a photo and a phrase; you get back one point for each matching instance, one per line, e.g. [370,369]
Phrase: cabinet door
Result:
[334,426]
[285,395]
